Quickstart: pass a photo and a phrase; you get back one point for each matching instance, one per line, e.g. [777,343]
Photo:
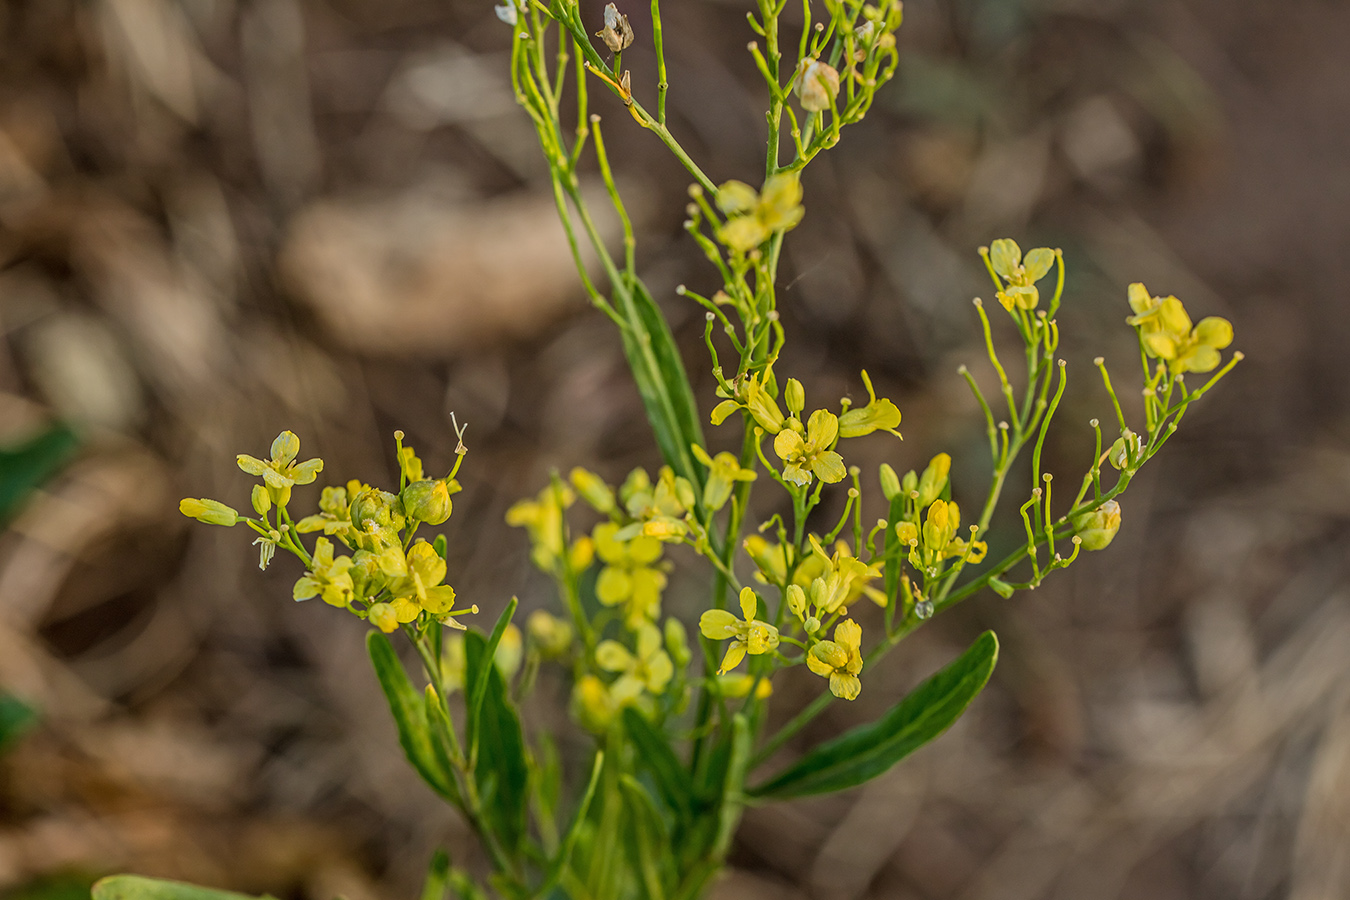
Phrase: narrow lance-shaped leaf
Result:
[867,751]
[134,887]
[477,685]
[654,755]
[665,391]
[408,707]
[499,767]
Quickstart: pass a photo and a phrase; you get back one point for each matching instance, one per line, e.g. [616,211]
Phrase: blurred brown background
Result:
[221,218]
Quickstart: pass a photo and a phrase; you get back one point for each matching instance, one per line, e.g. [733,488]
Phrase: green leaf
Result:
[409,710]
[564,855]
[16,717]
[647,841]
[498,754]
[662,383]
[27,465]
[438,877]
[477,685]
[134,887]
[654,755]
[733,789]
[867,751]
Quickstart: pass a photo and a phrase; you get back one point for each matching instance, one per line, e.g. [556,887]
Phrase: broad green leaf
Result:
[134,887]
[654,755]
[409,710]
[476,684]
[499,750]
[16,717]
[662,383]
[867,751]
[25,466]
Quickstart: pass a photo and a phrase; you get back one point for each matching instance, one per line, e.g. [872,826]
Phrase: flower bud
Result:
[906,532]
[593,490]
[376,506]
[382,616]
[795,397]
[1098,527]
[427,501]
[890,483]
[262,501]
[934,479]
[212,512]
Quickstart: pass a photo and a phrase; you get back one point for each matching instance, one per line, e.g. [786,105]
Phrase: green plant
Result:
[679,745]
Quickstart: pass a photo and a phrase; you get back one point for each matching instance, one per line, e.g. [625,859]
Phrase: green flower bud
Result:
[377,506]
[427,501]
[1098,527]
[910,483]
[890,482]
[795,397]
[262,501]
[212,512]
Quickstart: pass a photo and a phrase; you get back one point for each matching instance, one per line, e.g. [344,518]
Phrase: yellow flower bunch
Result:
[1167,333]
[840,660]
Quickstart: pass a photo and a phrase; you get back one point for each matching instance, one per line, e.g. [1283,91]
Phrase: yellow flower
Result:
[771,563]
[1166,330]
[1021,275]
[649,669]
[877,415]
[939,536]
[845,579]
[281,472]
[629,578]
[659,507]
[593,490]
[753,218]
[812,454]
[840,660]
[334,516]
[542,518]
[421,589]
[328,578]
[724,471]
[749,636]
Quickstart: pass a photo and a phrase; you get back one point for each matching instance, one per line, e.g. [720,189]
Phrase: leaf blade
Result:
[865,752]
[407,705]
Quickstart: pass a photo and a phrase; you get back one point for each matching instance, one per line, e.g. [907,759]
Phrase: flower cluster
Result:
[392,577]
[1166,332]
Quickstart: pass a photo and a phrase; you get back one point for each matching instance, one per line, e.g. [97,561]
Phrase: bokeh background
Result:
[221,218]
